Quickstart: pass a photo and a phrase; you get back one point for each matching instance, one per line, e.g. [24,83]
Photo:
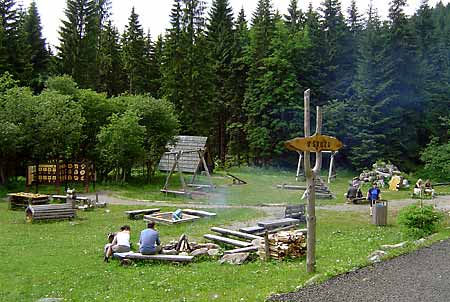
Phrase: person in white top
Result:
[120,244]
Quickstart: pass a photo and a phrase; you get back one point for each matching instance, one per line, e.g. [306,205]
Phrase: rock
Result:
[313,280]
[199,252]
[50,300]
[126,262]
[237,258]
[213,252]
[257,242]
[169,252]
[394,246]
[376,256]
[420,241]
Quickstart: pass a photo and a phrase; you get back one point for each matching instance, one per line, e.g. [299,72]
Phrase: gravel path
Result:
[422,275]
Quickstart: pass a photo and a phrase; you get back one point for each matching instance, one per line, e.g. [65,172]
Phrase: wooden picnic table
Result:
[23,200]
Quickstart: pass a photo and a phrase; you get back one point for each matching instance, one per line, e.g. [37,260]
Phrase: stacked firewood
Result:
[284,244]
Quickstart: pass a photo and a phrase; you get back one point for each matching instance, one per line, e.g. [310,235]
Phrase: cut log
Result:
[199,213]
[291,187]
[234,233]
[49,212]
[278,223]
[159,257]
[252,248]
[234,242]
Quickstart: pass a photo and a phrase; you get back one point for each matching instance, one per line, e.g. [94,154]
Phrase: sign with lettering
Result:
[54,173]
[316,143]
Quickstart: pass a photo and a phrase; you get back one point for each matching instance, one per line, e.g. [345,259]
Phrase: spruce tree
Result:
[111,78]
[238,145]
[78,42]
[220,38]
[134,55]
[38,49]
[335,31]
[294,18]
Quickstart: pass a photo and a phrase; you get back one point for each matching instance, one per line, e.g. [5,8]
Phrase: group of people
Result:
[424,187]
[354,192]
[149,243]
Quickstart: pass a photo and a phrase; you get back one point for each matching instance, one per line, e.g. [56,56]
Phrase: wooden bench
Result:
[236,180]
[49,212]
[158,257]
[135,213]
[296,212]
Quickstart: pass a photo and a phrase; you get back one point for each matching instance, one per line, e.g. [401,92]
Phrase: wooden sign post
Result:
[316,143]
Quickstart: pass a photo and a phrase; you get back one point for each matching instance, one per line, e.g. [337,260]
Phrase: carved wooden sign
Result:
[316,143]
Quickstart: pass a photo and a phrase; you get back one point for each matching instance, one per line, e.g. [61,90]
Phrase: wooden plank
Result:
[235,233]
[248,249]
[132,214]
[166,218]
[252,229]
[159,257]
[199,213]
[221,239]
[187,194]
[278,223]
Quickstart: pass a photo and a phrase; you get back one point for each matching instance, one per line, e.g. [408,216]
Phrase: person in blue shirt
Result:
[149,243]
[373,195]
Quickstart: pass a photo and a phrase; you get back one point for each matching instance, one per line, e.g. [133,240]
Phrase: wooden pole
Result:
[330,171]
[299,165]
[311,192]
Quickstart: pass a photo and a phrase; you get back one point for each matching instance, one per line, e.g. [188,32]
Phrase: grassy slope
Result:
[63,259]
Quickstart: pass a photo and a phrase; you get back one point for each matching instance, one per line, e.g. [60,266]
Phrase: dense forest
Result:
[116,98]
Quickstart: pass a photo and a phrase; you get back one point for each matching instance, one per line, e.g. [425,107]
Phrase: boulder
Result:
[237,258]
[199,252]
[213,252]
[376,256]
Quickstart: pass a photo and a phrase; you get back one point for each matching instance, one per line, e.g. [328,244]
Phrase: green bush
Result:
[419,221]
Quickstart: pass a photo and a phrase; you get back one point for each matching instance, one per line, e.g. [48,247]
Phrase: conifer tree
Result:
[238,145]
[134,54]
[38,51]
[220,38]
[78,42]
[110,65]
[294,18]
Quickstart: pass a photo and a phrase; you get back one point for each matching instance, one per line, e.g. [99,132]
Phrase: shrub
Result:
[419,221]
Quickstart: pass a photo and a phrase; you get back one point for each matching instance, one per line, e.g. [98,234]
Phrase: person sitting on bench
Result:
[120,244]
[353,193]
[149,243]
[428,188]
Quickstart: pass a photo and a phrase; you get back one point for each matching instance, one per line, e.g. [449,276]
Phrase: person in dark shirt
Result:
[351,193]
[373,195]
[149,243]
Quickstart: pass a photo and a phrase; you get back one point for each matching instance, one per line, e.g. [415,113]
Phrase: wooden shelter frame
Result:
[330,169]
[177,155]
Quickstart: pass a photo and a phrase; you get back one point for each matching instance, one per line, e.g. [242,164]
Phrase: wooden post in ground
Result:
[311,192]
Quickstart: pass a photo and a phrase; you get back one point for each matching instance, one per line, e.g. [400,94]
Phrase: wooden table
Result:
[23,200]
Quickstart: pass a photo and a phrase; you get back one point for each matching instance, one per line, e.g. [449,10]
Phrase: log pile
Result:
[285,244]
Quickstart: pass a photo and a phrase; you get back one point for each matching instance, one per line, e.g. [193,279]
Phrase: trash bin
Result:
[379,215]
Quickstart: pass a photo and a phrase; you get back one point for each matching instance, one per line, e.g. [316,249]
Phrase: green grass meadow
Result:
[64,259]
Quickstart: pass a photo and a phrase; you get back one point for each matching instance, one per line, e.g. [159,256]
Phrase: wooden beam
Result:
[278,223]
[235,233]
[159,257]
[221,239]
[199,213]
[252,248]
